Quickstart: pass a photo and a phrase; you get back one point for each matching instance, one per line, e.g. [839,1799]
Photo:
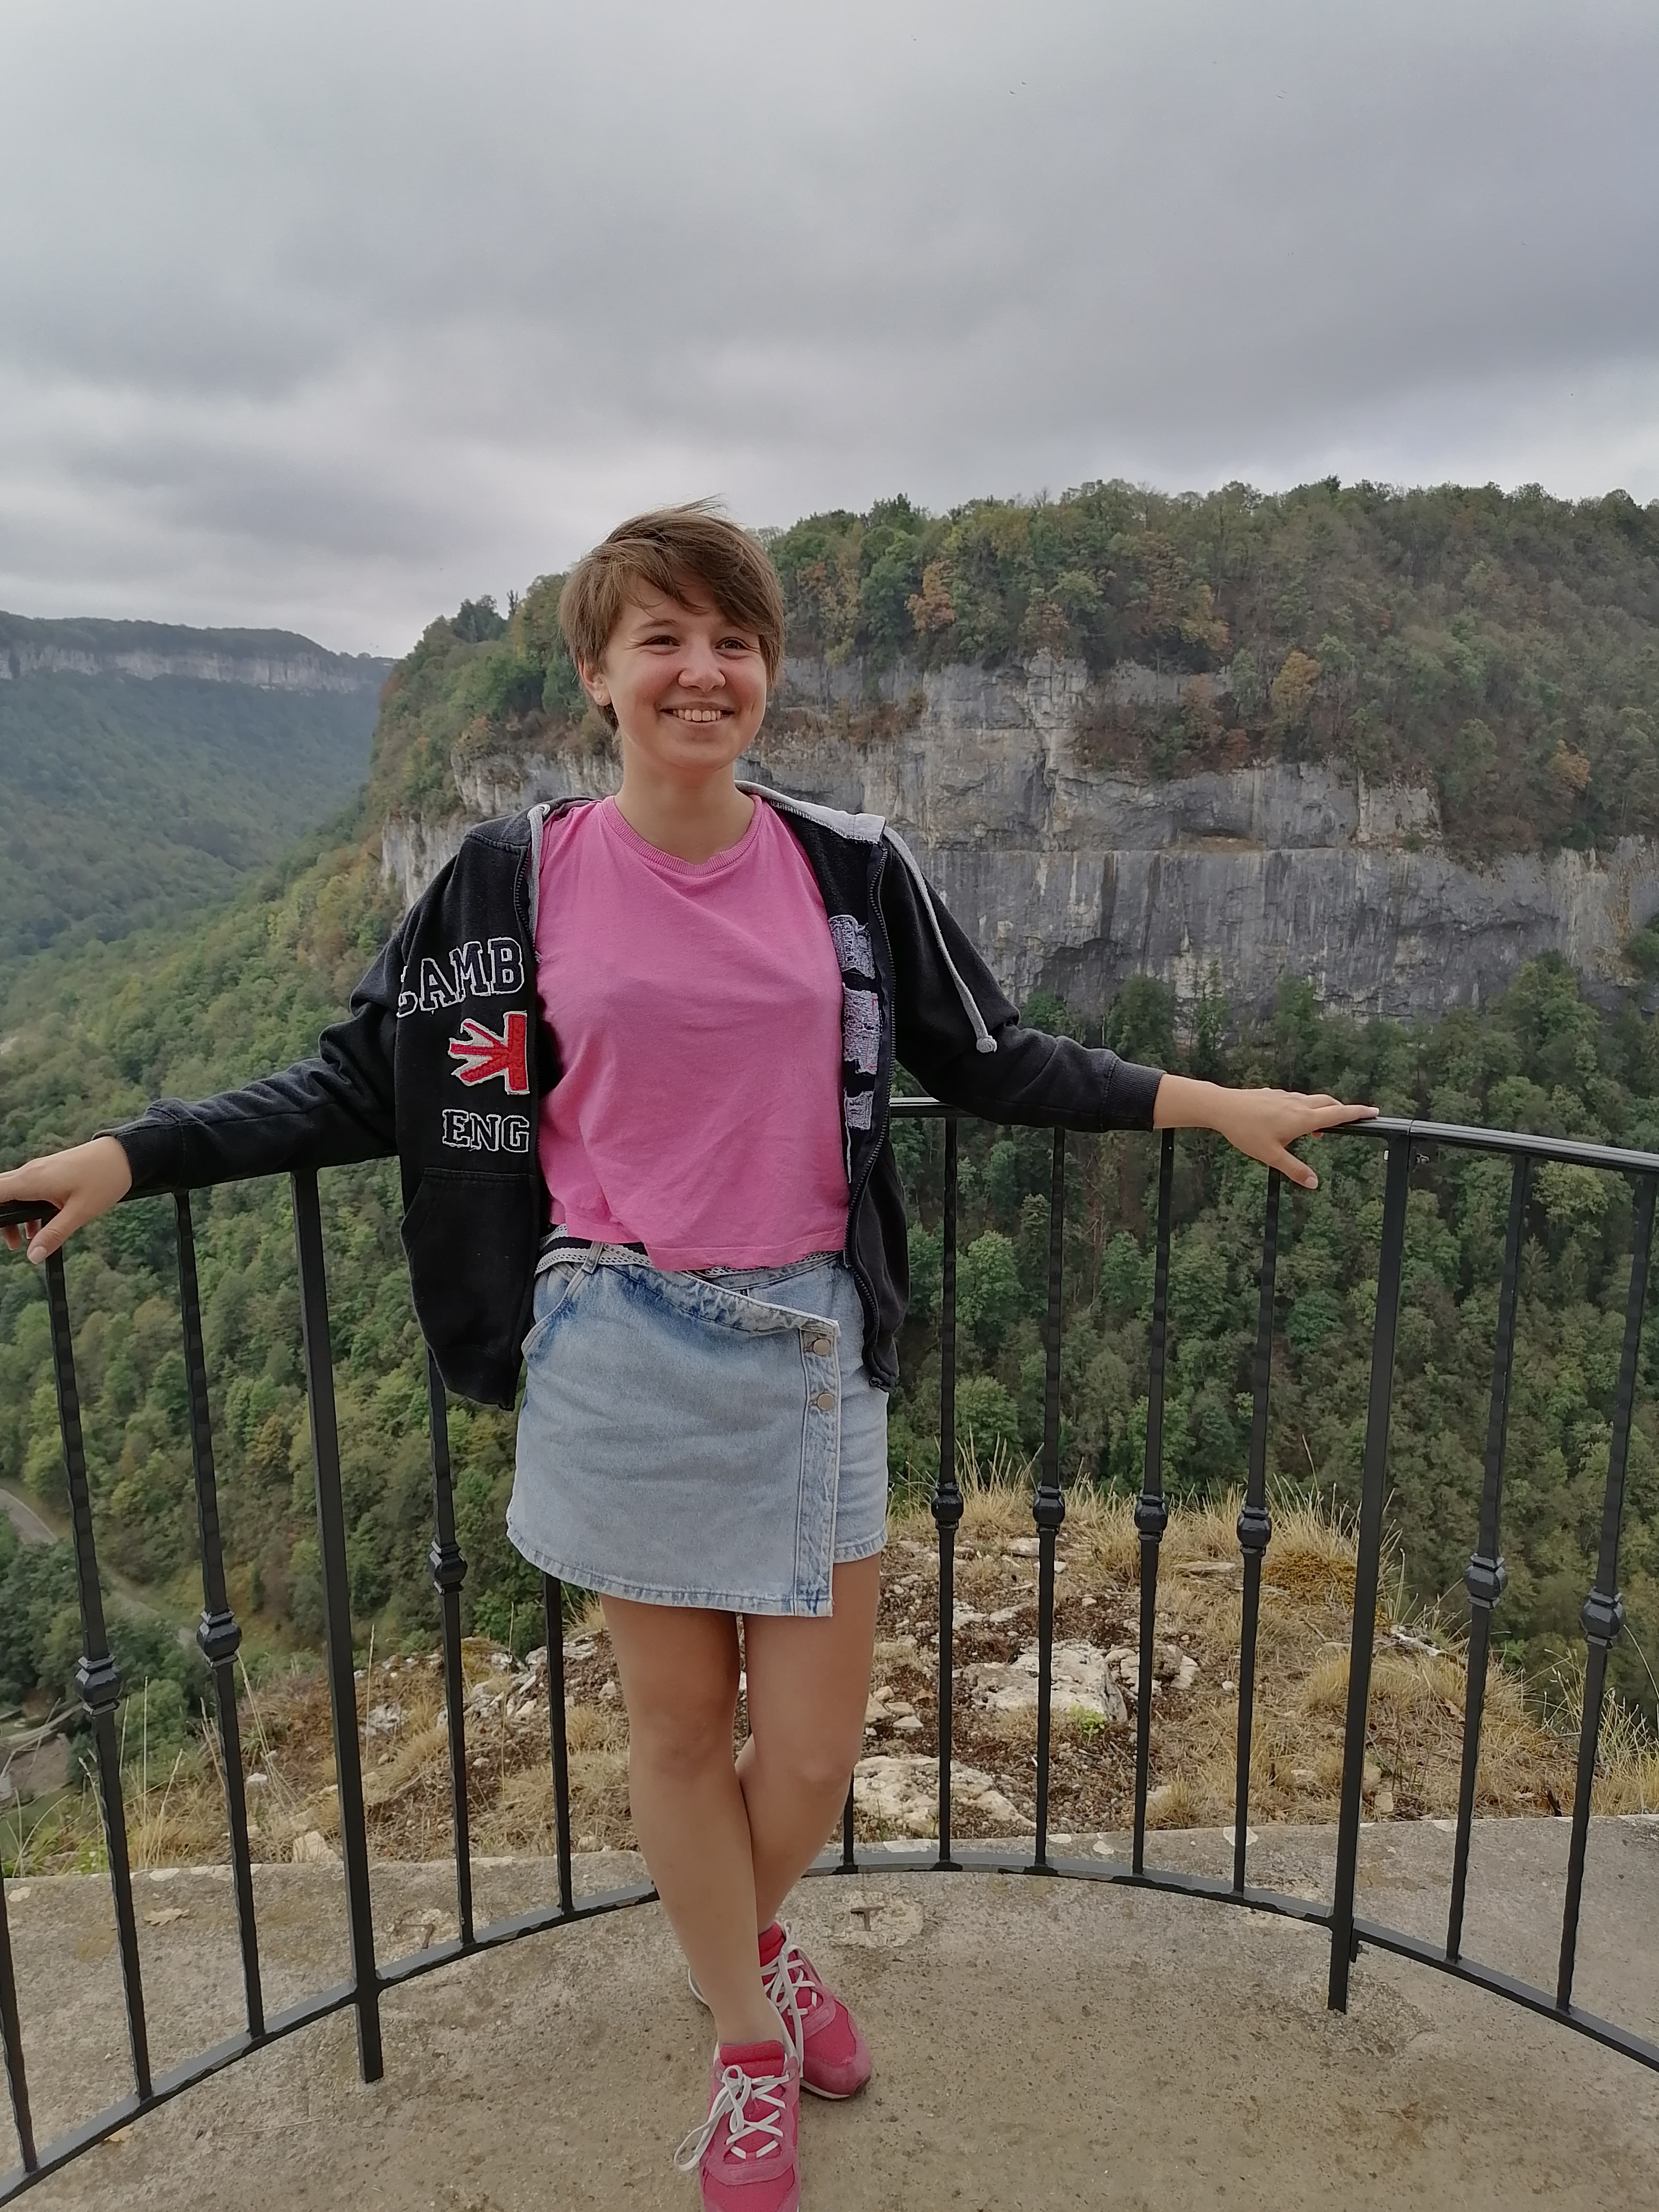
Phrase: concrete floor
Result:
[1038,2044]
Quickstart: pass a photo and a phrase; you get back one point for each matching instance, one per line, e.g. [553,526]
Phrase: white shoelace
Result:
[736,2092]
[790,1974]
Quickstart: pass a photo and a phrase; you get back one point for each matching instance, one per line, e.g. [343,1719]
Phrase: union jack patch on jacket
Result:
[484,1057]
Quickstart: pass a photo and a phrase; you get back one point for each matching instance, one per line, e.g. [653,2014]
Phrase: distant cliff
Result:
[1073,876]
[267,660]
[146,769]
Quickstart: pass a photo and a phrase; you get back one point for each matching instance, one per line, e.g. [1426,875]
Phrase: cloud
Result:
[329,316]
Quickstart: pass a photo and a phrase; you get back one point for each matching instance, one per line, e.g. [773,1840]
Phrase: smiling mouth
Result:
[699,714]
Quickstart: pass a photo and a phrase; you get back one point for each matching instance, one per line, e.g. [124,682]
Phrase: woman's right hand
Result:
[81,1183]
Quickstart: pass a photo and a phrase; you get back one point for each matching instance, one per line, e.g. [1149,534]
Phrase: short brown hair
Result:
[668,550]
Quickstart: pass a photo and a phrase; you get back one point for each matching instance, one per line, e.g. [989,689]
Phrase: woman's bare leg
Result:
[679,1666]
[808,1686]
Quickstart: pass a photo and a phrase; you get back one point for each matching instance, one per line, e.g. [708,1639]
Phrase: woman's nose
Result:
[700,669]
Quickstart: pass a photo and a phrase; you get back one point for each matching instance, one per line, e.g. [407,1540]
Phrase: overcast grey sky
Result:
[328,315]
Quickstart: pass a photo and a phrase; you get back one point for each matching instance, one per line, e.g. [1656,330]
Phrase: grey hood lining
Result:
[538,815]
[863,828]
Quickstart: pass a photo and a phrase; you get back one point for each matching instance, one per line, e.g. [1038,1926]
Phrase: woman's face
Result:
[687,685]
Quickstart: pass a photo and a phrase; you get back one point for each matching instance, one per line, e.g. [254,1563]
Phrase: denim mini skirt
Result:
[709,1439]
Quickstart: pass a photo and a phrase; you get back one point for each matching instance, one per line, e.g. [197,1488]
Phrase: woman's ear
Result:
[593,682]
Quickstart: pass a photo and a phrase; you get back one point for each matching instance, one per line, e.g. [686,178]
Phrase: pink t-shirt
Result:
[697,1012]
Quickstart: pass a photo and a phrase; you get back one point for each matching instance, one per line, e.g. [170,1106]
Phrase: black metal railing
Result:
[219,1634]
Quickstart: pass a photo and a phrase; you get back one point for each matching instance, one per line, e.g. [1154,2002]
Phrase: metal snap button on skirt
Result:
[703,1440]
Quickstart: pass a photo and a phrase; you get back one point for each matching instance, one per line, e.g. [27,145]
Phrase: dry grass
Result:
[1415,1739]
[1627,1762]
[1415,1742]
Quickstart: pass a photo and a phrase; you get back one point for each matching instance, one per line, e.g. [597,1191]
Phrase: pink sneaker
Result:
[745,2153]
[835,2059]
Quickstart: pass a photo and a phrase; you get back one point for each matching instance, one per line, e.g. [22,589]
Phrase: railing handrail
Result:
[1570,1151]
[218,1635]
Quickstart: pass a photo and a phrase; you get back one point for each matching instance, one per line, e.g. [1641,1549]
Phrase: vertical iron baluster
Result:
[448,1566]
[1396,1187]
[1048,1507]
[1151,1513]
[217,1634]
[96,1675]
[947,1492]
[849,1857]
[1255,1527]
[1485,1575]
[11,2041]
[553,1612]
[1604,1613]
[336,1619]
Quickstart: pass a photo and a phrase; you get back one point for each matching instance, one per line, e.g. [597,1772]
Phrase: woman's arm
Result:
[1034,1077]
[1025,1076]
[1260,1122]
[81,1183]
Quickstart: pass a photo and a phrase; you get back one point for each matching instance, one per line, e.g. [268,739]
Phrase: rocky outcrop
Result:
[269,661]
[1074,879]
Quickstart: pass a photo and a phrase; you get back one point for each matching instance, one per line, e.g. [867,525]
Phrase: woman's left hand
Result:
[1263,1123]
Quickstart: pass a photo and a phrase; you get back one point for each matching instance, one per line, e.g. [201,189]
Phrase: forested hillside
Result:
[1504,647]
[125,800]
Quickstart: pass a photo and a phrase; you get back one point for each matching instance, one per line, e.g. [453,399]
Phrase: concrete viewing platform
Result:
[1038,2043]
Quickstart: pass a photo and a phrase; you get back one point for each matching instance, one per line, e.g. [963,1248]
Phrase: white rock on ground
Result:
[1081,1683]
[904,1788]
[886,1709]
[1170,1664]
[964,1615]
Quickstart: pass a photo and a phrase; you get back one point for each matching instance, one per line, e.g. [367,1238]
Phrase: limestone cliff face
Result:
[269,661]
[316,671]
[1072,879]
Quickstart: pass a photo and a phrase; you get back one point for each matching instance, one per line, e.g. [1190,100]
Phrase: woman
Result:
[635,1057]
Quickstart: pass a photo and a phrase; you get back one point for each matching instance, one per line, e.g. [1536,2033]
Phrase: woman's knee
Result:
[684,1733]
[810,1763]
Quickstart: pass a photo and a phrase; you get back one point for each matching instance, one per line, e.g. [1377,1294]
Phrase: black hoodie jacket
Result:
[454,994]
